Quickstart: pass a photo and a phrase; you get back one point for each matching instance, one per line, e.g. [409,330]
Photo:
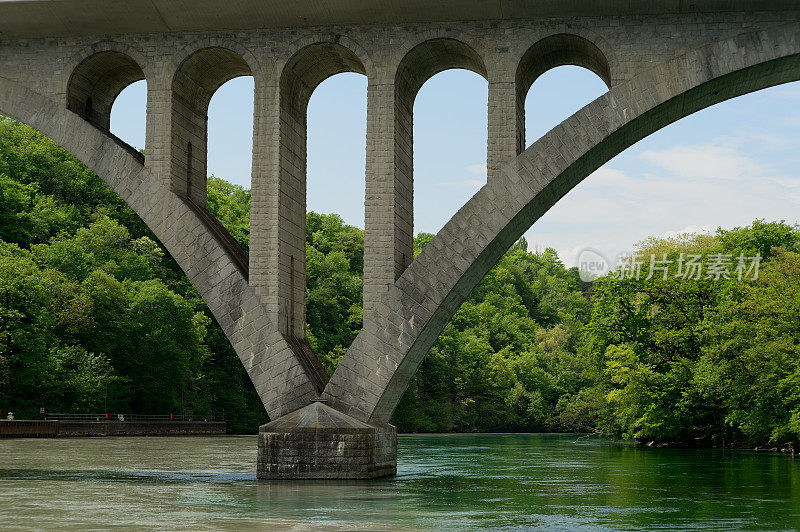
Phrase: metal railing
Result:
[182,416]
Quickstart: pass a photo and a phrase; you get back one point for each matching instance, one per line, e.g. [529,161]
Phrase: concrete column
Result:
[157,130]
[278,211]
[389,198]
[506,126]
[263,196]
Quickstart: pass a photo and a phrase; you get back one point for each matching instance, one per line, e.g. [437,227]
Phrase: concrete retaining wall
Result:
[51,429]
[28,429]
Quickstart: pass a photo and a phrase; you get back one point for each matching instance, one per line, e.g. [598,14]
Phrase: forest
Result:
[96,316]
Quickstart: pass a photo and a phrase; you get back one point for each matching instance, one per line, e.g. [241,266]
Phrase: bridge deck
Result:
[60,18]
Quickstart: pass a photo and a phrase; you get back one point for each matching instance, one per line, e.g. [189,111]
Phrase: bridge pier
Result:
[319,442]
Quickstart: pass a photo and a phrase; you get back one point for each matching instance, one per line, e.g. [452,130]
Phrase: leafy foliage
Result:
[702,360]
[95,314]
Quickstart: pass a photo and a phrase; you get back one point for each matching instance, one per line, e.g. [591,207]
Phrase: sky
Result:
[724,166]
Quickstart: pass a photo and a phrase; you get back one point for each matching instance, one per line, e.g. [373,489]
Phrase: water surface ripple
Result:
[444,482]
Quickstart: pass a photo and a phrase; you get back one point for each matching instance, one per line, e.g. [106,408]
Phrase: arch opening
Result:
[450,135]
[337,114]
[96,83]
[129,115]
[549,53]
[555,96]
[301,76]
[196,81]
[419,65]
[337,124]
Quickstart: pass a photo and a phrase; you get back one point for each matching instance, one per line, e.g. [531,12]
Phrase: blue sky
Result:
[724,166]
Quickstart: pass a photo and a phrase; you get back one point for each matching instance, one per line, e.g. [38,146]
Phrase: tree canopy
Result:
[95,314]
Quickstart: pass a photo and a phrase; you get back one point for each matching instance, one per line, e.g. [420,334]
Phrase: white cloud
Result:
[612,210]
[473,183]
[478,169]
[708,161]
[605,177]
[756,141]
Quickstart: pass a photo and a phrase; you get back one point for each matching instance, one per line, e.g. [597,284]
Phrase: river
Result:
[444,482]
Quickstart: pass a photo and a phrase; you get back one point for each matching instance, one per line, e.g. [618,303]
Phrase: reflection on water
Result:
[443,482]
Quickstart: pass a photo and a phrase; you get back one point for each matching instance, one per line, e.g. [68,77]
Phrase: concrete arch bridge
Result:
[62,64]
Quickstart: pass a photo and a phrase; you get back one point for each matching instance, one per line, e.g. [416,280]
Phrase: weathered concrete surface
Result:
[50,18]
[318,442]
[660,61]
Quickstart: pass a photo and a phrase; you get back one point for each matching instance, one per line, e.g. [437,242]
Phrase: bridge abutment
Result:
[318,442]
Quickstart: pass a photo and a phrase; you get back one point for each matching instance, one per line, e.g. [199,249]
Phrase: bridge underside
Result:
[659,68]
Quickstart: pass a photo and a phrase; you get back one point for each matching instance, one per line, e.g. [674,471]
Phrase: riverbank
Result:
[73,429]
[786,448]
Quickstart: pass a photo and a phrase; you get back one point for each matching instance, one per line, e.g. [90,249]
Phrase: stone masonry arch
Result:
[661,63]
[350,48]
[379,365]
[97,80]
[551,52]
[558,50]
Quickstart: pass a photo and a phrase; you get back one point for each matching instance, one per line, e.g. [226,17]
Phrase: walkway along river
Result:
[444,482]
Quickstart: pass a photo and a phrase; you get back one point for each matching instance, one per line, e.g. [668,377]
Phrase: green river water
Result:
[444,482]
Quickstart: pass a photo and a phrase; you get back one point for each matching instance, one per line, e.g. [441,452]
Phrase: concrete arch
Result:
[300,76]
[430,57]
[297,47]
[381,362]
[97,80]
[195,80]
[553,51]
[558,50]
[279,378]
